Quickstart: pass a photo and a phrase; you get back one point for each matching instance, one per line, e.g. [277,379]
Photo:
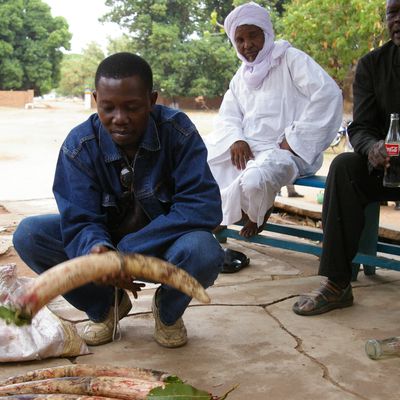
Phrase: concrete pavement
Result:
[248,335]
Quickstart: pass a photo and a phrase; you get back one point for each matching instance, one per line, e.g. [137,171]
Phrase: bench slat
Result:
[369,244]
[269,241]
[292,231]
[317,181]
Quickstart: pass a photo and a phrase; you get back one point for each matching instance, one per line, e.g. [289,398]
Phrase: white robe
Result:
[298,101]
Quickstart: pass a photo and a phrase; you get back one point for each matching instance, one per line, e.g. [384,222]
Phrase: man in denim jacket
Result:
[132,178]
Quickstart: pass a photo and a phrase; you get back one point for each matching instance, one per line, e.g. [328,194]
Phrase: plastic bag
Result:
[47,336]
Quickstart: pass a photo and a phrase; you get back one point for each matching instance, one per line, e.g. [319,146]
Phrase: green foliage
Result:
[209,64]
[122,43]
[178,391]
[78,71]
[336,33]
[189,56]
[183,40]
[30,45]
[14,317]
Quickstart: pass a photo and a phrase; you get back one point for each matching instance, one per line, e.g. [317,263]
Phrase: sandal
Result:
[234,261]
[326,298]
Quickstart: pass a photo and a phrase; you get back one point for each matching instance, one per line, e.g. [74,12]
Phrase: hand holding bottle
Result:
[391,177]
[378,156]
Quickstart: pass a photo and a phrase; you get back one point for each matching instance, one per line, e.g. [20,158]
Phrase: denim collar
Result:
[150,140]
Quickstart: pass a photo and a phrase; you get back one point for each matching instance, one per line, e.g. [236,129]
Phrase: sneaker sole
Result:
[170,345]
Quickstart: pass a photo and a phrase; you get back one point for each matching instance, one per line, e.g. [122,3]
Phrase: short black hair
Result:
[123,65]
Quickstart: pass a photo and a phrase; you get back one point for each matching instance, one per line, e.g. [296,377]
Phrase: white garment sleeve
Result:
[228,125]
[316,127]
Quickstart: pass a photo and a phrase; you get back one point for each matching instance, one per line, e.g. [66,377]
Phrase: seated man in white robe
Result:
[282,110]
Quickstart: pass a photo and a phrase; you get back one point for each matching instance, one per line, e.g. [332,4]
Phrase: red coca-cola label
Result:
[392,149]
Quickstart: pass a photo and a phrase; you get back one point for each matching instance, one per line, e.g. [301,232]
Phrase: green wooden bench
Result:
[369,246]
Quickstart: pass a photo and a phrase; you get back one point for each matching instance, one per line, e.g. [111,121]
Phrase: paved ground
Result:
[248,335]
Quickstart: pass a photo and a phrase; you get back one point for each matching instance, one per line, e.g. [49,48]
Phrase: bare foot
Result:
[295,194]
[250,228]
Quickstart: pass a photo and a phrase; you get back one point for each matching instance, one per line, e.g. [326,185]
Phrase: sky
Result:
[82,17]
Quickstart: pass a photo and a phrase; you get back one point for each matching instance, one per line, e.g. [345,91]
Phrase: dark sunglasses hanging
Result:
[126,177]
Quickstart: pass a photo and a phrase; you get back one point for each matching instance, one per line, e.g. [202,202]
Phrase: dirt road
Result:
[30,141]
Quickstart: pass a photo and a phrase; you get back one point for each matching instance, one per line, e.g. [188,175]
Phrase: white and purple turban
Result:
[251,13]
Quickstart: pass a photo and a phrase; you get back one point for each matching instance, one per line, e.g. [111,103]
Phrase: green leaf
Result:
[13,317]
[178,391]
[173,379]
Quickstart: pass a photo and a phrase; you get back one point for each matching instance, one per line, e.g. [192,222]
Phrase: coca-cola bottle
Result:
[377,349]
[391,177]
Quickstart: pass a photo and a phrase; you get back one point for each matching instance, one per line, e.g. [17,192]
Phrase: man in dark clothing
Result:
[355,179]
[132,178]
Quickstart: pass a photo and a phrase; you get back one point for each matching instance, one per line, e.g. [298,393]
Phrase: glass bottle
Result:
[377,349]
[391,177]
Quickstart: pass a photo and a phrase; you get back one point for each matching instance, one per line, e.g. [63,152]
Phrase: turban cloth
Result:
[269,56]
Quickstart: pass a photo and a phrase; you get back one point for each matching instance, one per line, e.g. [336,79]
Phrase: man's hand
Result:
[377,155]
[284,145]
[99,249]
[119,279]
[124,282]
[240,154]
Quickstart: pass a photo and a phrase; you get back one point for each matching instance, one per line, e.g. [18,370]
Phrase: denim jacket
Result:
[172,183]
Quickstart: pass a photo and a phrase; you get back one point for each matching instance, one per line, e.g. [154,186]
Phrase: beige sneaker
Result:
[168,335]
[96,333]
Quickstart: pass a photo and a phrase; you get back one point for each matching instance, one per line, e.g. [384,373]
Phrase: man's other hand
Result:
[125,282]
[377,155]
[99,249]
[284,145]
[240,154]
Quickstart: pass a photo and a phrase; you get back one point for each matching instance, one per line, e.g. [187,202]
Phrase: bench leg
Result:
[369,238]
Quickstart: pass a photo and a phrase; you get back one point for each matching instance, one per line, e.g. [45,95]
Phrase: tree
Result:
[140,17]
[187,54]
[121,43]
[209,66]
[336,33]
[78,71]
[30,45]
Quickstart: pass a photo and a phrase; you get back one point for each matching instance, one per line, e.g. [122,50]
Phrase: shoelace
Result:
[116,327]
[116,335]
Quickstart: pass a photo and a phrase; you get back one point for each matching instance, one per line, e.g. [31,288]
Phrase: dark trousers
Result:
[349,188]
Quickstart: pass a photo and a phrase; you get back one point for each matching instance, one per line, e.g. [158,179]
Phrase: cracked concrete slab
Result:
[223,351]
[250,337]
[271,351]
[336,340]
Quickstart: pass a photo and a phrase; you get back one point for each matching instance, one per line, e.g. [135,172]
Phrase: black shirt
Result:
[376,90]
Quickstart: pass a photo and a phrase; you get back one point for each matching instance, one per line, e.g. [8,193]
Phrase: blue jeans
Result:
[38,242]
